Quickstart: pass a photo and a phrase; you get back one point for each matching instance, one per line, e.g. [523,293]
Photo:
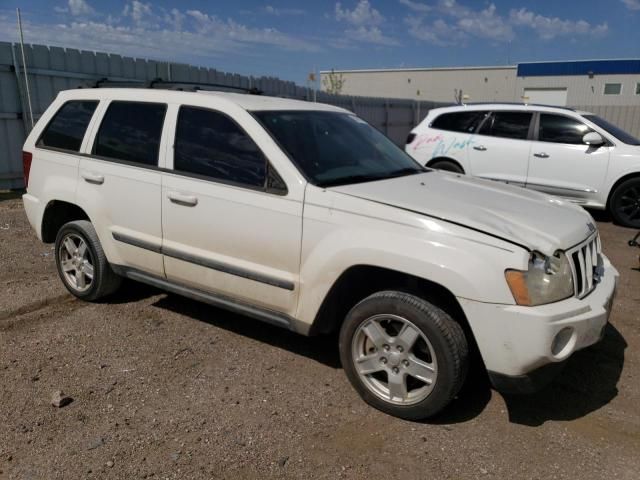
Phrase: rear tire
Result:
[82,264]
[624,205]
[403,355]
[447,166]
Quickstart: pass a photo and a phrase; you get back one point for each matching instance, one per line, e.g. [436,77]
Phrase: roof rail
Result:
[170,84]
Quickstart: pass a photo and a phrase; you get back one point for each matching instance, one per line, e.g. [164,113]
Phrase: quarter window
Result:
[131,131]
[638,88]
[561,129]
[67,128]
[211,144]
[459,121]
[507,125]
[612,88]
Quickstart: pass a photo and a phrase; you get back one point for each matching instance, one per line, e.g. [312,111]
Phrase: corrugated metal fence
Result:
[52,69]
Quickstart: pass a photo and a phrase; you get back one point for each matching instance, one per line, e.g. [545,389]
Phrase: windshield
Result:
[613,130]
[332,148]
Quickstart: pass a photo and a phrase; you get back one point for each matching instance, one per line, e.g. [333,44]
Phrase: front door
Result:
[500,150]
[561,164]
[230,227]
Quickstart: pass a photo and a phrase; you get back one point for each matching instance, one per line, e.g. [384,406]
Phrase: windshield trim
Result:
[421,168]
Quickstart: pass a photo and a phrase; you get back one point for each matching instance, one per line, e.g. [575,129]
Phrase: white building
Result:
[574,83]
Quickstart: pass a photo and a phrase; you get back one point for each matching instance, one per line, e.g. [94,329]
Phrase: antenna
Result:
[24,67]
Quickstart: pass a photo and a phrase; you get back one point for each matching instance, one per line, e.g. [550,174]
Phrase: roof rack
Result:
[174,85]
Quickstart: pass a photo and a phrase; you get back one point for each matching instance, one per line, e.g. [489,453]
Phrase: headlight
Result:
[548,279]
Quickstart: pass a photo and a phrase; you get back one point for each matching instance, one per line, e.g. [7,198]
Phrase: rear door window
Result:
[507,125]
[459,121]
[210,144]
[561,129]
[68,126]
[131,131]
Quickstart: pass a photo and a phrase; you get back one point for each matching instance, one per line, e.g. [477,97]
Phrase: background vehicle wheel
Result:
[625,203]
[82,264]
[403,355]
[447,166]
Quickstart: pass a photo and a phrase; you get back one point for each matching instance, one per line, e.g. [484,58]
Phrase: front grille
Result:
[586,265]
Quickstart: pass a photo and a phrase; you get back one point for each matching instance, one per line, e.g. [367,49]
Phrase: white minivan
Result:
[571,154]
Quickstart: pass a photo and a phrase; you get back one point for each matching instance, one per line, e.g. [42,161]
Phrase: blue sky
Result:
[288,39]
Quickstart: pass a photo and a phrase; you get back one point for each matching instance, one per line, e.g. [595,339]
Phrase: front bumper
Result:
[516,341]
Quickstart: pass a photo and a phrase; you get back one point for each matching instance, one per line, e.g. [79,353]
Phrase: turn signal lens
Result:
[517,282]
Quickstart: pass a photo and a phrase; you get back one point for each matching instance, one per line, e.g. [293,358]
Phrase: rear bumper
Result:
[515,341]
[33,209]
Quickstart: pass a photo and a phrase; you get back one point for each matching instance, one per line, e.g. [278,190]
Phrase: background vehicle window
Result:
[459,121]
[67,128]
[131,131]
[561,129]
[507,125]
[211,144]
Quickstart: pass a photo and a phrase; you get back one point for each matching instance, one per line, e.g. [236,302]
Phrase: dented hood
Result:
[523,217]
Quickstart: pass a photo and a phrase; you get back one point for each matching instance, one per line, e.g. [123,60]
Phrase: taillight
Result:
[411,138]
[26,166]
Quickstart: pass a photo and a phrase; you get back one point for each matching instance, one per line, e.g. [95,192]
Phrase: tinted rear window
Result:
[67,128]
[458,121]
[131,131]
[507,125]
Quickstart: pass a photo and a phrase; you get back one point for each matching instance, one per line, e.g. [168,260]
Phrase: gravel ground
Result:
[165,387]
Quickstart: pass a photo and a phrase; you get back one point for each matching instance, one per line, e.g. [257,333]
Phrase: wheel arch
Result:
[618,182]
[359,281]
[445,159]
[56,214]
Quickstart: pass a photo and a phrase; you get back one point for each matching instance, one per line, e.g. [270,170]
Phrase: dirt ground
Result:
[165,387]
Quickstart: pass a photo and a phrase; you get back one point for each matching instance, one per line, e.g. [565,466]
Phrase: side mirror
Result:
[593,139]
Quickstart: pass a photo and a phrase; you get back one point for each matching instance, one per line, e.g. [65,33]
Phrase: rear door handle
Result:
[182,199]
[480,148]
[92,178]
[541,155]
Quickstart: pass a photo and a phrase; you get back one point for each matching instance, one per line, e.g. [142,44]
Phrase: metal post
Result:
[24,66]
[23,108]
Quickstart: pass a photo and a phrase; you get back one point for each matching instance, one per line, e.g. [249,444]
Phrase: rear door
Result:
[230,225]
[500,149]
[119,184]
[561,164]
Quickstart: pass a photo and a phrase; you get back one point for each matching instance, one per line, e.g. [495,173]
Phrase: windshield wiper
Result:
[404,172]
[352,179]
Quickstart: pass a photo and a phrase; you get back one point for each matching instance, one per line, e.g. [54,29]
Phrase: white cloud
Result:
[450,23]
[416,6]
[278,12]
[80,8]
[364,24]
[551,27]
[144,32]
[632,4]
[363,14]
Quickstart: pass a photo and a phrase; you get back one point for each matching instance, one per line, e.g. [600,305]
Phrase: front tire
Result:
[82,264]
[403,355]
[624,205]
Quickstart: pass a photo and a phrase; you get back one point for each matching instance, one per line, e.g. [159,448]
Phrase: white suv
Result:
[575,155]
[304,216]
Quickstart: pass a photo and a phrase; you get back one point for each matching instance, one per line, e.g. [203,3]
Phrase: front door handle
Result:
[480,148]
[541,155]
[182,199]
[94,178]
